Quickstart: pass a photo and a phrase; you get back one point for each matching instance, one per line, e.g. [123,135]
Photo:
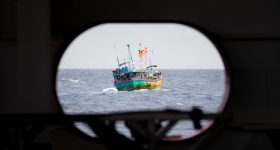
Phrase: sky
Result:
[170,46]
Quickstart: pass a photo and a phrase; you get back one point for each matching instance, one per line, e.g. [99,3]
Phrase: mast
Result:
[146,56]
[140,54]
[150,64]
[117,56]
[130,57]
[118,62]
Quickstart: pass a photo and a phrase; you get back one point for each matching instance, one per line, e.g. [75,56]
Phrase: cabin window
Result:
[156,66]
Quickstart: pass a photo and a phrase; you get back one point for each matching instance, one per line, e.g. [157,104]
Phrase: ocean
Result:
[92,91]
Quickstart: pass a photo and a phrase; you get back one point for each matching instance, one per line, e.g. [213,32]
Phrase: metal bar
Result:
[62,118]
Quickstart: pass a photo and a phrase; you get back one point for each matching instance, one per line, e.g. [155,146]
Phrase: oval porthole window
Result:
[122,67]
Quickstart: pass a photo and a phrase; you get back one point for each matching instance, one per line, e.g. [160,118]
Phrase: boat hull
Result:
[137,85]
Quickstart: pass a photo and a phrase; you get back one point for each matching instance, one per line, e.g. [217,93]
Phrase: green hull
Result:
[130,85]
[133,85]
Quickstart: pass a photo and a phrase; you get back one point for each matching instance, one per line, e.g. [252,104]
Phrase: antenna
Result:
[118,61]
[129,53]
[117,56]
[130,56]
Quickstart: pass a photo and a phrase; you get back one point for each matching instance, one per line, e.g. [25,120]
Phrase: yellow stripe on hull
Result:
[153,84]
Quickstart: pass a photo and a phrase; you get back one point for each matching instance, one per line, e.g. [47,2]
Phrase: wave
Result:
[74,80]
[180,104]
[165,90]
[140,90]
[110,90]
[106,91]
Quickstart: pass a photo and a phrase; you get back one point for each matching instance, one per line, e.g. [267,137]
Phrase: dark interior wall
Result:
[26,56]
[8,52]
[248,31]
[227,19]
[33,32]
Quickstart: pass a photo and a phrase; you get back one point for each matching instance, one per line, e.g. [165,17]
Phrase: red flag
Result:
[140,53]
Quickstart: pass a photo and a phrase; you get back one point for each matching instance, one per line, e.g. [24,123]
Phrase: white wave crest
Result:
[74,80]
[112,89]
[180,104]
[165,90]
[140,90]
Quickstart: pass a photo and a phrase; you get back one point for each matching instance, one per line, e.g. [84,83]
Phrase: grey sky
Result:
[175,46]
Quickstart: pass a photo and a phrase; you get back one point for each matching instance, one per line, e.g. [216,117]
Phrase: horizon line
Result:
[159,69]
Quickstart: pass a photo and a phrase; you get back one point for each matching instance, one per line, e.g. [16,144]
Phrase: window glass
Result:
[120,67]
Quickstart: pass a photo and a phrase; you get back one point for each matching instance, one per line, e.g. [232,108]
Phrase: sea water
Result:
[92,91]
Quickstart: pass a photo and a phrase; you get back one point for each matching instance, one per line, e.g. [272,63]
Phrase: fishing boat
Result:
[127,77]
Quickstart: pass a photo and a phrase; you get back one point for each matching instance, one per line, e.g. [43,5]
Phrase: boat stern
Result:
[153,84]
